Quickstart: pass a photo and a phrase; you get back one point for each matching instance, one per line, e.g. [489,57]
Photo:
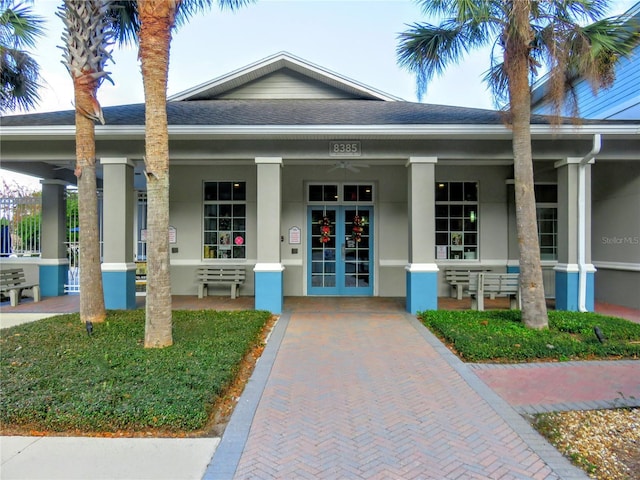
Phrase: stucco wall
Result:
[390,220]
[616,232]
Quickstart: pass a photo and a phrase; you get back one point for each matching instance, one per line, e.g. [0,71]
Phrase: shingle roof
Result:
[281,112]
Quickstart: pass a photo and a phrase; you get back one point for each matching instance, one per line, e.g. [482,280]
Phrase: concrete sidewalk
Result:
[82,458]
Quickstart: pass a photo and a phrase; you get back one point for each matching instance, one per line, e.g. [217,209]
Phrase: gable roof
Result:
[282,62]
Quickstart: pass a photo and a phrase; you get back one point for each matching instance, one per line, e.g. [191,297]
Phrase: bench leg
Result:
[202,290]
[14,296]
[233,290]
[474,302]
[36,293]
[513,302]
[459,288]
[481,303]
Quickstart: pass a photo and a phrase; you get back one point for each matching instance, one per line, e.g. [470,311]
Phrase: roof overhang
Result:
[486,132]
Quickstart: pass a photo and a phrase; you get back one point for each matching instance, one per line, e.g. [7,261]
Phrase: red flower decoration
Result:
[325,230]
[356,230]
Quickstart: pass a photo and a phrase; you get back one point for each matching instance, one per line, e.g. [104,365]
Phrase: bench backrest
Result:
[12,277]
[222,273]
[500,282]
[462,275]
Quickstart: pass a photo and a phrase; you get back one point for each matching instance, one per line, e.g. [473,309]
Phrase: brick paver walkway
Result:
[546,387]
[372,395]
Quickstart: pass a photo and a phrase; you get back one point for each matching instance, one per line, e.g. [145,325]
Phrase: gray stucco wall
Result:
[616,232]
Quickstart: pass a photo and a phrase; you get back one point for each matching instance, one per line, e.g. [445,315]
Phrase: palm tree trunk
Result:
[91,293]
[534,309]
[157,17]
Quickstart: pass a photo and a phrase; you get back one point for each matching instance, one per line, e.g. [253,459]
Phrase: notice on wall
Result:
[173,235]
[441,252]
[294,236]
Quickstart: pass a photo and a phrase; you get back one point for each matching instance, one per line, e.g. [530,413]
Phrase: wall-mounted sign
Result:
[294,235]
[173,235]
[344,149]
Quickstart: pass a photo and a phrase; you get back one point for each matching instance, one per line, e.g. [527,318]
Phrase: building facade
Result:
[320,185]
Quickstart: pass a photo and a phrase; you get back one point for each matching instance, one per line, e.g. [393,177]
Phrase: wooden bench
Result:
[13,281]
[213,275]
[494,284]
[458,279]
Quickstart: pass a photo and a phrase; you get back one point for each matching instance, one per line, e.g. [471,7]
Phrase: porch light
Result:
[472,216]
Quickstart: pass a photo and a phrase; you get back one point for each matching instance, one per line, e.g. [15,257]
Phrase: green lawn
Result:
[500,336]
[55,377]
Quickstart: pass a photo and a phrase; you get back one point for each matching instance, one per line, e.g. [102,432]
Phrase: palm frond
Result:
[19,27]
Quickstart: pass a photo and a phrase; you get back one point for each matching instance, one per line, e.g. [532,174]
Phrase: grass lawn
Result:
[500,336]
[57,378]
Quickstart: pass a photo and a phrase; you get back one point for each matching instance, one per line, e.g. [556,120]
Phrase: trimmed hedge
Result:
[500,336]
[56,377]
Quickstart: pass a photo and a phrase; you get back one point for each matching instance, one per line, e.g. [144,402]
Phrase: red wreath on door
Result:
[325,229]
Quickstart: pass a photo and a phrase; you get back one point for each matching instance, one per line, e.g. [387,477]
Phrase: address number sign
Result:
[344,149]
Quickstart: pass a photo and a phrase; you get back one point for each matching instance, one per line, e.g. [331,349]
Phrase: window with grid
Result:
[225,220]
[456,219]
[547,216]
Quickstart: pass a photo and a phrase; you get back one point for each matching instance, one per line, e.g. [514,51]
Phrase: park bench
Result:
[214,275]
[494,284]
[458,279]
[12,280]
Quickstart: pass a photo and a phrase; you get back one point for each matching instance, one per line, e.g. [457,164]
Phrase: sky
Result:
[354,38]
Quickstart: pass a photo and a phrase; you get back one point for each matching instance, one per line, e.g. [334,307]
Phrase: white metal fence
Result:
[20,221]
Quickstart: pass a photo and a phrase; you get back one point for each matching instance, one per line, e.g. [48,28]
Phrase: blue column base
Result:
[568,292]
[422,291]
[119,290]
[269,291]
[52,279]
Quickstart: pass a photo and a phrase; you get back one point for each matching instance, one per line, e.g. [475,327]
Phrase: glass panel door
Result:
[340,251]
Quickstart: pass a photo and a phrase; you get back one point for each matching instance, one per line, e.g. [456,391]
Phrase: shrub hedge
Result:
[500,336]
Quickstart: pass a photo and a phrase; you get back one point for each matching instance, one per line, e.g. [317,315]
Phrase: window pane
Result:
[442,224]
[224,191]
[239,191]
[546,193]
[315,193]
[455,192]
[471,192]
[442,192]
[442,211]
[456,211]
[365,193]
[239,210]
[330,193]
[210,190]
[350,193]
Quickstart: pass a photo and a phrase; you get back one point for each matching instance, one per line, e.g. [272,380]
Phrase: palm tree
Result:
[529,34]
[19,72]
[157,19]
[86,38]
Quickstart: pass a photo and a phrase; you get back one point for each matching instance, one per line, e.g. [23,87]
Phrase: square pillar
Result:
[422,271]
[118,268]
[268,272]
[53,269]
[567,271]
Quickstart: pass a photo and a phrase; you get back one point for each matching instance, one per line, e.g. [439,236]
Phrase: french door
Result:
[340,250]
